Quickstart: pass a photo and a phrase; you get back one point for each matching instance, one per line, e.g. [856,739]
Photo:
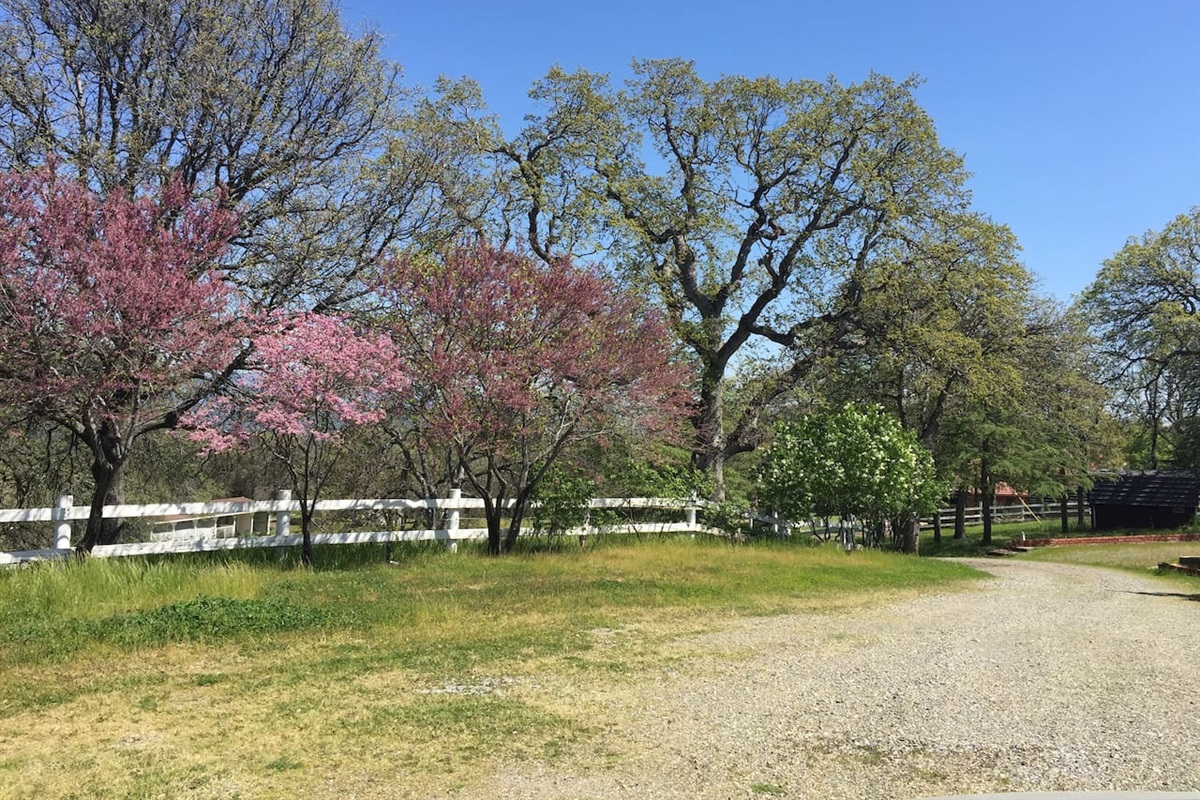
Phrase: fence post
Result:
[283,519]
[453,522]
[690,511]
[62,522]
[587,527]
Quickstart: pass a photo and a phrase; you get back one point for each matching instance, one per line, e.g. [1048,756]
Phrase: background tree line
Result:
[809,246]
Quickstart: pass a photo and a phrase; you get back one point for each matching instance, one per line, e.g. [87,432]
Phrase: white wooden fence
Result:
[449,509]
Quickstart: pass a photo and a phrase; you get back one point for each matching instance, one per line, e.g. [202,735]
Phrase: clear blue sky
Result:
[1080,120]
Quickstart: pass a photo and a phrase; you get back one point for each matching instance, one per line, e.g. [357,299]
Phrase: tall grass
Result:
[99,587]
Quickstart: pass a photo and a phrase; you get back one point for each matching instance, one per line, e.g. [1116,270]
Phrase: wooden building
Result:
[1143,499]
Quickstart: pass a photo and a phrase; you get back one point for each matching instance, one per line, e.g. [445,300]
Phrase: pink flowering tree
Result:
[309,381]
[513,361]
[116,316]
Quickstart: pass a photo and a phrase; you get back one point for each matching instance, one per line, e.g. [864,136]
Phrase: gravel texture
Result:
[1045,677]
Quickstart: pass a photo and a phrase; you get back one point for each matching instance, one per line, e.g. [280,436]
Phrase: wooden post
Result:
[62,522]
[283,519]
[587,528]
[453,522]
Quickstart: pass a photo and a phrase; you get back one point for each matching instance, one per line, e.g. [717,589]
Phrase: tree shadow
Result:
[1193,597]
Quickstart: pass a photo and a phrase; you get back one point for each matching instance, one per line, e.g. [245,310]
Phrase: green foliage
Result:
[560,501]
[855,463]
[739,224]
[1144,311]
[644,478]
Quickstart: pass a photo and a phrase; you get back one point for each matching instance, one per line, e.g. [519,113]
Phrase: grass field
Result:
[200,677]
[1137,557]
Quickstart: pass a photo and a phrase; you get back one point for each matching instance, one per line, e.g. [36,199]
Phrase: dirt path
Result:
[1045,677]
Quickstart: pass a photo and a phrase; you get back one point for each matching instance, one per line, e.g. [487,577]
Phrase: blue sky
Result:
[1080,121]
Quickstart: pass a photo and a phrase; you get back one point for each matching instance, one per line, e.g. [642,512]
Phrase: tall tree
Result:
[513,361]
[943,320]
[1144,310]
[303,125]
[748,206]
[1047,429]
[116,318]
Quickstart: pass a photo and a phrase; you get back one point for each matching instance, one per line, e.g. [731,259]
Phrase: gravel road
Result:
[1044,677]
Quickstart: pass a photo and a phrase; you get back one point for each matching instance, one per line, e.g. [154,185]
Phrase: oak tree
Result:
[1144,310]
[748,207]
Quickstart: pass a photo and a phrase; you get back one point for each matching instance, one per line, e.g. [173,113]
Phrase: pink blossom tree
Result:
[513,361]
[310,379]
[116,317]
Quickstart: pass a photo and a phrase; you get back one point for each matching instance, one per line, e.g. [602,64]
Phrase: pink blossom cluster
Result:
[309,375]
[111,305]
[504,348]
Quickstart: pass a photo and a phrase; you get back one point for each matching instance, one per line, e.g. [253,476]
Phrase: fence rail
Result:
[1049,509]
[281,509]
[278,514]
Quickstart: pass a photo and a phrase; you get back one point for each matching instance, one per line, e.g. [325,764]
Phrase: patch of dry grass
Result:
[410,680]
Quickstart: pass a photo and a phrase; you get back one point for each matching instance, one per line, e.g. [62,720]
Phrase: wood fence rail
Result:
[226,537]
[64,512]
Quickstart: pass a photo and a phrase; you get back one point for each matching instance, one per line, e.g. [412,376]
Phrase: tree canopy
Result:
[513,360]
[116,315]
[748,207]
[309,380]
[1144,310]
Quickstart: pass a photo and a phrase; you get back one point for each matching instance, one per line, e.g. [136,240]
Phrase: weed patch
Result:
[208,619]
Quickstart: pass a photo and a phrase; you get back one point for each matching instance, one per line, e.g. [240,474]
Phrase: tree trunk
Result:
[1064,514]
[912,535]
[514,525]
[108,488]
[491,512]
[1079,500]
[960,514]
[937,525]
[306,548]
[709,422]
[985,498]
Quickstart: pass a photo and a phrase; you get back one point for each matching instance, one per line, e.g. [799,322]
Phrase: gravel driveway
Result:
[1045,677]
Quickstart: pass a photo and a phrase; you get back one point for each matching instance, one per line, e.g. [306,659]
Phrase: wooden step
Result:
[1002,552]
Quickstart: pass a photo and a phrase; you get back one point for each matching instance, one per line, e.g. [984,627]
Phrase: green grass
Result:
[245,674]
[54,611]
[1002,534]
[1140,557]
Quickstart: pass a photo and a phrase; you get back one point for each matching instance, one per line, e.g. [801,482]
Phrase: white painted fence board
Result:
[22,556]
[208,541]
[27,515]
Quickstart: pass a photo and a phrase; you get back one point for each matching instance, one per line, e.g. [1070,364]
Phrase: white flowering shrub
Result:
[859,463]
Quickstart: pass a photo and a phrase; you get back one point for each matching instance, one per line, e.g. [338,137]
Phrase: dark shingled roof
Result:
[1146,489]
